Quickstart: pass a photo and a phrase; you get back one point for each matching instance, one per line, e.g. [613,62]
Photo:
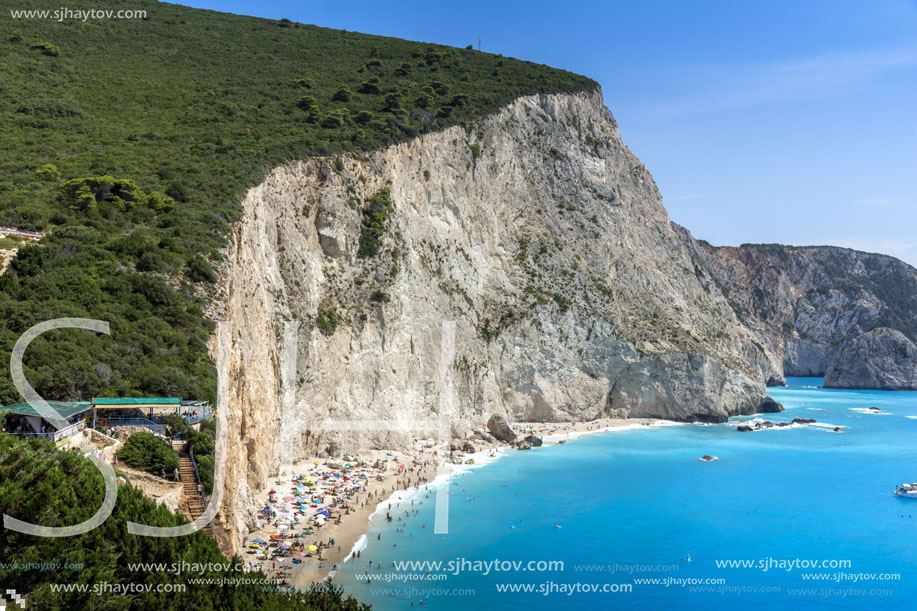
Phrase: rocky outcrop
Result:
[769,406]
[500,429]
[535,230]
[806,303]
[879,359]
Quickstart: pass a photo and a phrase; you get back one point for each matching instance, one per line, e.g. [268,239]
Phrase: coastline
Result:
[423,470]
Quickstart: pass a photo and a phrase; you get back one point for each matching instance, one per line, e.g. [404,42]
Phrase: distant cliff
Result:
[806,304]
[882,359]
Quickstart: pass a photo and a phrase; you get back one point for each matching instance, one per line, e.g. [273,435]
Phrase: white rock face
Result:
[535,230]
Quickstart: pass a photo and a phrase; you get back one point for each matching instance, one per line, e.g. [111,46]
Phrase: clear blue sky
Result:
[778,121]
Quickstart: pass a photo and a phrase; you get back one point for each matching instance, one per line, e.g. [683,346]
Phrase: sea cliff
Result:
[535,229]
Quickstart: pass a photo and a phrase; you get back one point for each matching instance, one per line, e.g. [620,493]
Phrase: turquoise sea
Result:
[620,508]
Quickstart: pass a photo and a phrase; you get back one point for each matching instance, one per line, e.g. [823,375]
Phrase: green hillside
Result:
[133,141]
[42,485]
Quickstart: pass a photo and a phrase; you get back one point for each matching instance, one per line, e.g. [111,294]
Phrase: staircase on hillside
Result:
[191,500]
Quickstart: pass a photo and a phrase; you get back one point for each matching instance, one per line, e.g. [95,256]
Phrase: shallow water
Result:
[622,507]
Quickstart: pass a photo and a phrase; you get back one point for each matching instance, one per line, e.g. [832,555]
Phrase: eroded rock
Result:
[881,359]
[500,429]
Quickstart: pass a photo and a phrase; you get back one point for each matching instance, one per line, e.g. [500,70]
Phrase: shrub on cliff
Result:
[375,216]
[203,447]
[201,443]
[343,94]
[176,426]
[327,318]
[149,453]
[459,99]
[307,102]
[205,471]
[200,271]
[370,86]
[46,48]
[209,427]
[335,119]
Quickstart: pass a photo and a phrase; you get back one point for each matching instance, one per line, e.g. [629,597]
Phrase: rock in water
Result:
[533,441]
[500,429]
[745,429]
[769,406]
[881,359]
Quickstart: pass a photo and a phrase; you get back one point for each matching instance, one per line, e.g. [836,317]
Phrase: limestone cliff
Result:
[535,229]
[806,304]
[882,359]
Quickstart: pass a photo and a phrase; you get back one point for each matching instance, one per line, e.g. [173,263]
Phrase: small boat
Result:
[907,491]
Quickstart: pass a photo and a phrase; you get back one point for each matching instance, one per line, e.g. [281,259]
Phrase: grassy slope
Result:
[196,106]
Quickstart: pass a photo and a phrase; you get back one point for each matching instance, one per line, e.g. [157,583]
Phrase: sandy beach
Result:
[327,503]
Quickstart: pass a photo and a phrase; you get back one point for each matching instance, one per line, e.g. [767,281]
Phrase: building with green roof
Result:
[149,412]
[23,419]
